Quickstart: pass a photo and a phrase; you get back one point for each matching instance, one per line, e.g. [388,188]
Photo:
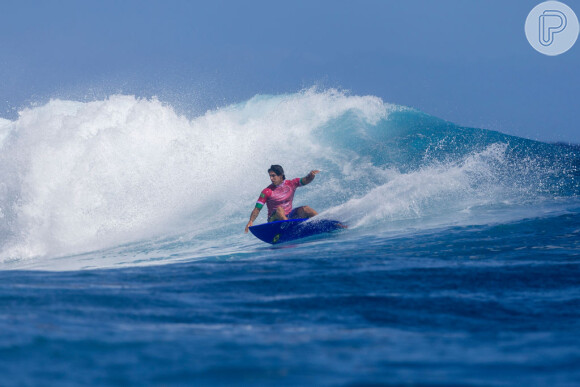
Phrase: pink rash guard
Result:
[279,196]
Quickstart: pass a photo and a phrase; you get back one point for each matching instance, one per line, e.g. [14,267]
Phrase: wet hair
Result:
[278,170]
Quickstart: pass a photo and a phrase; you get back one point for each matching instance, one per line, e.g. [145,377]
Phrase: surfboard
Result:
[292,229]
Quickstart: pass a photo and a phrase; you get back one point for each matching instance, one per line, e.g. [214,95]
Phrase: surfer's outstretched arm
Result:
[308,178]
[253,217]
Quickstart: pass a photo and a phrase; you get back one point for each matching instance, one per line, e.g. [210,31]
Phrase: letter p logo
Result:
[552,28]
[551,22]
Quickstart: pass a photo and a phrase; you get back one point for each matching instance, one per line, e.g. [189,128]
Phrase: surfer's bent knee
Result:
[279,214]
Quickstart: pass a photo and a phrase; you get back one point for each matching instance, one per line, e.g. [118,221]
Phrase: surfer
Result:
[278,197]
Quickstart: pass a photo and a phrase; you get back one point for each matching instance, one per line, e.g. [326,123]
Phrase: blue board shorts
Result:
[292,215]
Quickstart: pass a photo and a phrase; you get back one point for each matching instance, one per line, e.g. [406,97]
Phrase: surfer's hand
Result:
[314,173]
[250,224]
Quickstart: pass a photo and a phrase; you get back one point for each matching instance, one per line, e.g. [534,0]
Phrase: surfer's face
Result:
[275,179]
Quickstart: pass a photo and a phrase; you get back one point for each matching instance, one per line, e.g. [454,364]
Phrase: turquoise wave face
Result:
[409,139]
[80,177]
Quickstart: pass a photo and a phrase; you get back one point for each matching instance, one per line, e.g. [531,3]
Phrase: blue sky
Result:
[464,61]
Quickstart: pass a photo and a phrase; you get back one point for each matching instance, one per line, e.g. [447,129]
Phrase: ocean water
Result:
[123,259]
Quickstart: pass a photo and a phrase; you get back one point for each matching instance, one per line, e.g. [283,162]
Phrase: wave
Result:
[83,176]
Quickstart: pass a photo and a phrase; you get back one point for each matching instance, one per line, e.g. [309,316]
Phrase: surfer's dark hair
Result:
[278,170]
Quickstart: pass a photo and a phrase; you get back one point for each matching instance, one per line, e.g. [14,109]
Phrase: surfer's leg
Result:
[278,215]
[304,212]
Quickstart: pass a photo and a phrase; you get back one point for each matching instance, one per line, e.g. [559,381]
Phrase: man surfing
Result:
[278,197]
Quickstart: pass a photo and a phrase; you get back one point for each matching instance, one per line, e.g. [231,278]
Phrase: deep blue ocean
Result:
[123,260]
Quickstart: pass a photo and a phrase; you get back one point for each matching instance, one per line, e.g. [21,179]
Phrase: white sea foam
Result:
[433,189]
[81,176]
[78,177]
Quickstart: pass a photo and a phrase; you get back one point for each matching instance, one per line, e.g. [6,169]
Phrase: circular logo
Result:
[552,28]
